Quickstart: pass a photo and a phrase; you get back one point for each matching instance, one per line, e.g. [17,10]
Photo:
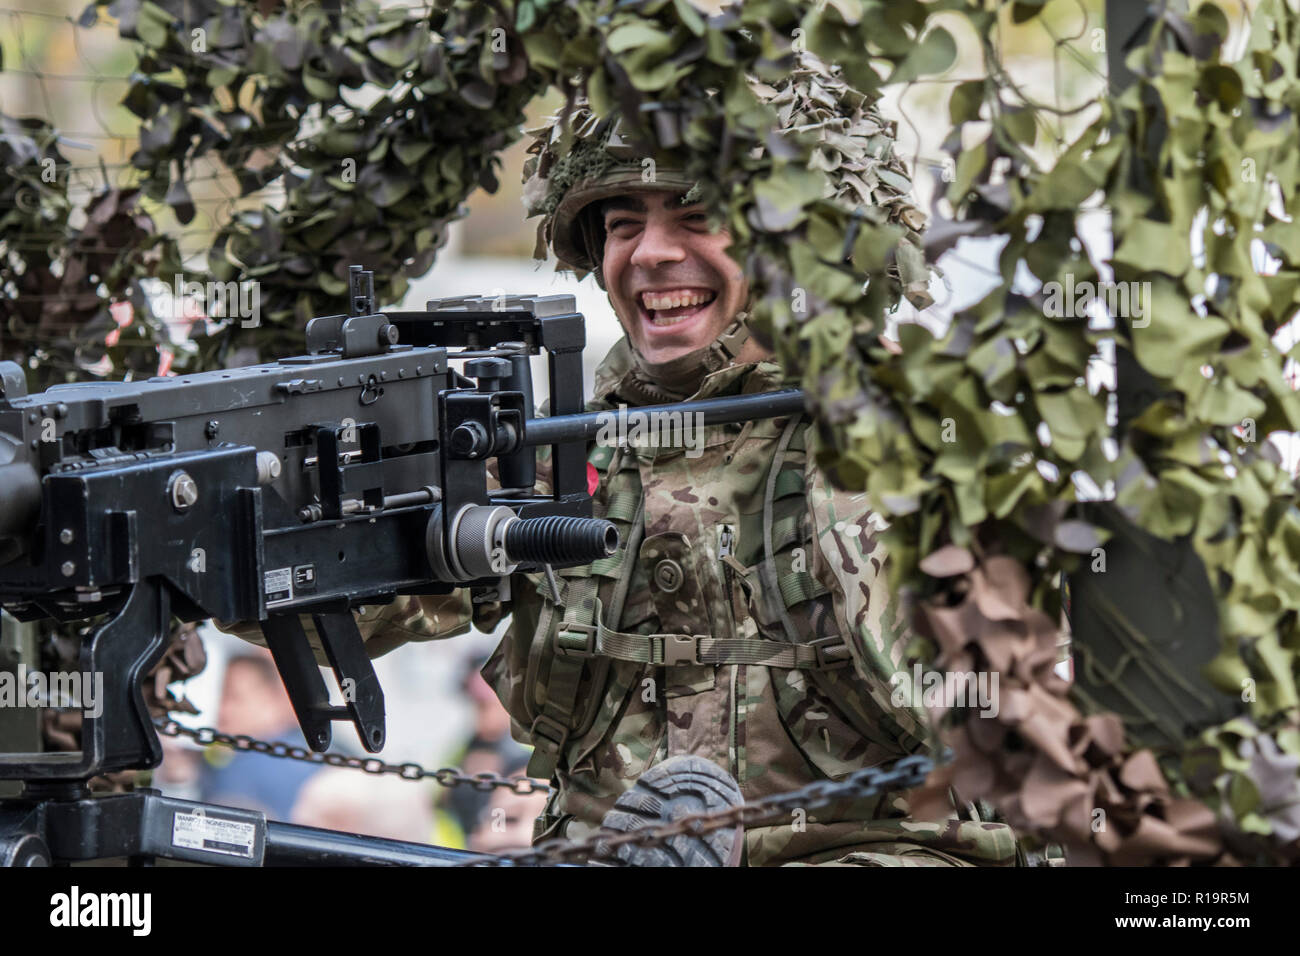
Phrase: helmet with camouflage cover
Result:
[566,175]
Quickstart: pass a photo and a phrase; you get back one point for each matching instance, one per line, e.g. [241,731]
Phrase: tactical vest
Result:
[735,592]
[593,599]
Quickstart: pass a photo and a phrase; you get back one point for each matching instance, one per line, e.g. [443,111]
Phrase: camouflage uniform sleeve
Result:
[849,559]
[426,617]
[430,617]
[506,669]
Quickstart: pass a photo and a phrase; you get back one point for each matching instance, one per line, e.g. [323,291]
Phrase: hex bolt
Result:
[68,569]
[184,492]
[65,536]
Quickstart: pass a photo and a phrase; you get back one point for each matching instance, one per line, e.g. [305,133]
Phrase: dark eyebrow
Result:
[623,204]
[633,203]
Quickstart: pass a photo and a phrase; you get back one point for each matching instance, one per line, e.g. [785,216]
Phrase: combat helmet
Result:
[565,175]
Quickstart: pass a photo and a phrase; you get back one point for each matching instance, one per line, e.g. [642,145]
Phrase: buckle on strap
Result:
[830,653]
[575,640]
[680,648]
[548,734]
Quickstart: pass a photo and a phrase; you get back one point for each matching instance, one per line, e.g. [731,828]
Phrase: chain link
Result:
[869,782]
[444,776]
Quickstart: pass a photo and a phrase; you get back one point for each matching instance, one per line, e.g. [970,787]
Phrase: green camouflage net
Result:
[1168,750]
[59,277]
[586,160]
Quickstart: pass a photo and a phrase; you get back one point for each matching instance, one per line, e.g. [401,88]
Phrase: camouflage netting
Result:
[1190,465]
[970,442]
[851,143]
[57,278]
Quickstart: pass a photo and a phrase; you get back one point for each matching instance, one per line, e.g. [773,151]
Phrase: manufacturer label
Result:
[197,831]
[278,585]
[304,577]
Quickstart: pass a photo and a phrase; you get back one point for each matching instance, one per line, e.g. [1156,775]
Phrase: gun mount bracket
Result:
[341,641]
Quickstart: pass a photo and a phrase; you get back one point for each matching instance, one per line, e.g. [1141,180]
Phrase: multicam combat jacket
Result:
[600,706]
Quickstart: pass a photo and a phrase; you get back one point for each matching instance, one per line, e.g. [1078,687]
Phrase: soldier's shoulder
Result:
[610,372]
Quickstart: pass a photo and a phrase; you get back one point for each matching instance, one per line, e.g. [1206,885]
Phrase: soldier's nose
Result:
[659,243]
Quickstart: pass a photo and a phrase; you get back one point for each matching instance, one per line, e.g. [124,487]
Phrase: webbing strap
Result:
[797,587]
[623,504]
[786,531]
[550,730]
[580,641]
[767,570]
[789,482]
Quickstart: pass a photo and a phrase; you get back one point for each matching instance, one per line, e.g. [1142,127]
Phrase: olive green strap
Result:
[767,570]
[581,641]
[551,728]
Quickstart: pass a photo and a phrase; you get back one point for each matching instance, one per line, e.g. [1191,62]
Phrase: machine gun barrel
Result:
[713,411]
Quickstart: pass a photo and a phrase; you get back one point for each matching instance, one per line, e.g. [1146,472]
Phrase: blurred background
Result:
[439,711]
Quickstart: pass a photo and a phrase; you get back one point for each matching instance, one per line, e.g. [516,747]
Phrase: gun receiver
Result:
[311,485]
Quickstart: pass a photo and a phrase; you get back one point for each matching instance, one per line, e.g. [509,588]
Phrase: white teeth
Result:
[658,301]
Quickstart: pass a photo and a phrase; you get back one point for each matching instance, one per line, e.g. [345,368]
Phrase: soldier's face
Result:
[668,275]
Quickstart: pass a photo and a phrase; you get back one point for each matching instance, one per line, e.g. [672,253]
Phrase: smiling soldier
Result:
[743,641]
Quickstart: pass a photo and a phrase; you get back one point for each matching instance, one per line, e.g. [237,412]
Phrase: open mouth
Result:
[669,307]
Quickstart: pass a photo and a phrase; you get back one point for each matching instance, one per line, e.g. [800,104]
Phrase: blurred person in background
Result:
[506,822]
[180,772]
[254,702]
[489,749]
[337,799]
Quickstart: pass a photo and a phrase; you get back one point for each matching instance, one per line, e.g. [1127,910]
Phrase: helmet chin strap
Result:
[681,377]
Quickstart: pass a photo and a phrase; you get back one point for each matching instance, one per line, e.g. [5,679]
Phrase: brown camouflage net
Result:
[1048,768]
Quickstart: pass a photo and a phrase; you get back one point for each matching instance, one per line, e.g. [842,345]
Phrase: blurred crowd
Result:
[253,702]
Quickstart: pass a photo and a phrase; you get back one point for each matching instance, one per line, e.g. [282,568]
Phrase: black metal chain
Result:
[446,776]
[904,774]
